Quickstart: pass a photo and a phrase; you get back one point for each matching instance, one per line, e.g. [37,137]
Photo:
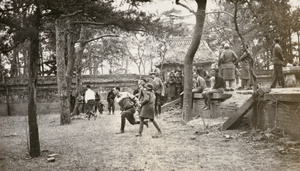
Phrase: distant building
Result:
[177,49]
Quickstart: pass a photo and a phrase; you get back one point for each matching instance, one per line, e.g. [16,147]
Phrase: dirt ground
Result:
[93,145]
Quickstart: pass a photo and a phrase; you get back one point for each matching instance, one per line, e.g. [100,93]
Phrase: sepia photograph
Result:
[149,85]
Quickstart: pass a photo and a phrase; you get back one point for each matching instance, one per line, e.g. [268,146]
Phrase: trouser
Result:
[90,105]
[208,95]
[111,107]
[79,109]
[245,83]
[128,114]
[230,83]
[142,124]
[157,104]
[278,76]
[98,106]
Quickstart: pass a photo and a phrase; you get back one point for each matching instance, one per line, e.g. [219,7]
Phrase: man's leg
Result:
[101,108]
[109,107]
[141,126]
[96,107]
[90,106]
[130,117]
[113,108]
[280,76]
[156,125]
[158,99]
[155,105]
[123,117]
[275,77]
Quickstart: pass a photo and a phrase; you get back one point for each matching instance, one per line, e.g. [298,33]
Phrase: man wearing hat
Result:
[147,108]
[159,90]
[227,60]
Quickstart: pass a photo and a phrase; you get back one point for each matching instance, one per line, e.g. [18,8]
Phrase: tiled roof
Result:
[178,48]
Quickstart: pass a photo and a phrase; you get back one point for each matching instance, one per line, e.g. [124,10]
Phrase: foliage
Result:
[260,22]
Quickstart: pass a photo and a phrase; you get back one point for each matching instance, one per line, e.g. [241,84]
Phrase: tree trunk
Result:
[41,61]
[25,54]
[298,40]
[33,61]
[78,63]
[61,71]
[14,66]
[188,60]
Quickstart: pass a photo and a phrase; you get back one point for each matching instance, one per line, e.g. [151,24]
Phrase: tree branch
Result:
[185,6]
[89,23]
[100,37]
[72,14]
[218,12]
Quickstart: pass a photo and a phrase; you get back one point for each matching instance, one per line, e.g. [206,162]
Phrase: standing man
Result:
[245,61]
[98,103]
[90,101]
[147,108]
[159,90]
[111,102]
[127,104]
[227,60]
[278,61]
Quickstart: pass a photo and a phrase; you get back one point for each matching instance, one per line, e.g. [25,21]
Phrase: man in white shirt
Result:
[89,98]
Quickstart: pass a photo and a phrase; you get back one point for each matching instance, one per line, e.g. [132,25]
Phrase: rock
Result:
[284,140]
[228,136]
[292,143]
[281,149]
[51,159]
[258,137]
[201,132]
[269,135]
[193,138]
[52,155]
[243,134]
[290,80]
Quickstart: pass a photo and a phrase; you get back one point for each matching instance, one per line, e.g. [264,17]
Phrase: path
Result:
[93,145]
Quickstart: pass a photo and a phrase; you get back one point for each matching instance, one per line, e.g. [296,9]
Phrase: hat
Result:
[226,45]
[149,86]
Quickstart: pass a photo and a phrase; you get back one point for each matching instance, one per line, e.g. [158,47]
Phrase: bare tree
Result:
[189,57]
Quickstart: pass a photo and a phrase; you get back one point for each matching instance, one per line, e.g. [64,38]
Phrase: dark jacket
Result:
[219,82]
[277,55]
[126,103]
[110,96]
[147,105]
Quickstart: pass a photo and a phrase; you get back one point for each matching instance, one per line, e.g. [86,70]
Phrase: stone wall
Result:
[282,115]
[47,97]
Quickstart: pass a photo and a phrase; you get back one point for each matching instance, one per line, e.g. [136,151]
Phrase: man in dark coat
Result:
[111,102]
[127,104]
[278,61]
[98,103]
[159,90]
[147,108]
[218,87]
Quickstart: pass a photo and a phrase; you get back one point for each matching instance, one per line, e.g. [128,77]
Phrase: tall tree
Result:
[25,27]
[189,57]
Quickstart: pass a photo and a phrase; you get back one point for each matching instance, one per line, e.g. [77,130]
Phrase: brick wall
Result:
[47,98]
[284,115]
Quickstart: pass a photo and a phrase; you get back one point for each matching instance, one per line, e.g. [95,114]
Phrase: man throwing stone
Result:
[127,103]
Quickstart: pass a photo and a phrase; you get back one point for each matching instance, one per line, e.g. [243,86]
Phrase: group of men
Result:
[223,75]
[146,100]
[91,102]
